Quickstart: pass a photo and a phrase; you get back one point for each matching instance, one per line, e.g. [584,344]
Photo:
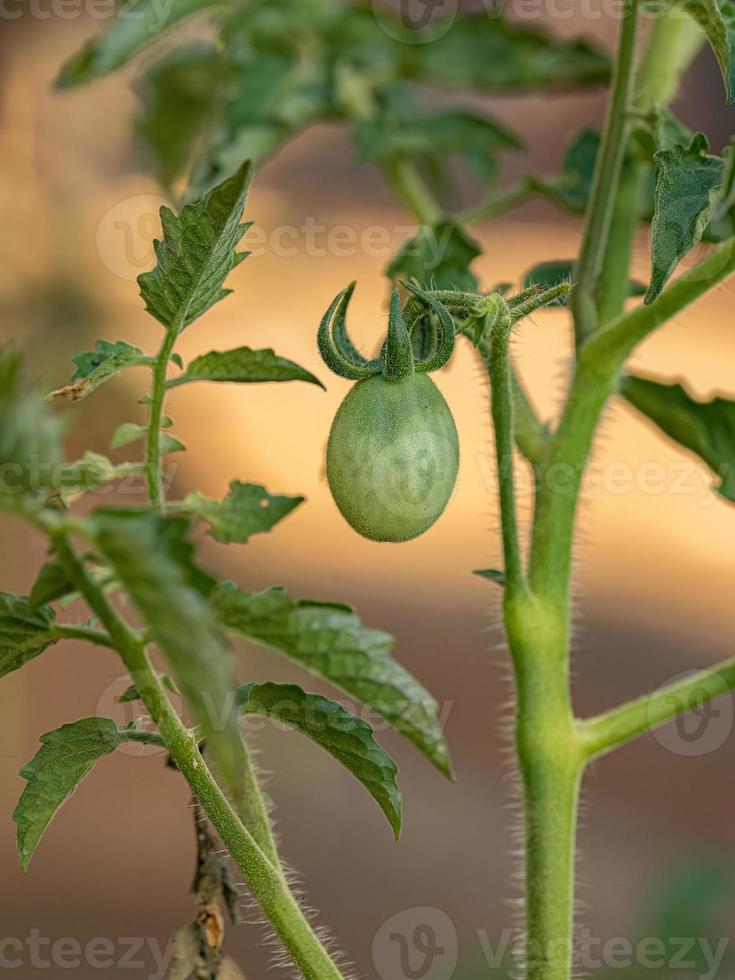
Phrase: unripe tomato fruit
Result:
[392,457]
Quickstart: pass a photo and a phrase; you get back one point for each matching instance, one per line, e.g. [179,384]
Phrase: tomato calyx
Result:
[421,335]
[397,359]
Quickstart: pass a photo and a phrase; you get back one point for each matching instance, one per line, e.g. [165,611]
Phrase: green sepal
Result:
[332,357]
[445,342]
[340,336]
[398,352]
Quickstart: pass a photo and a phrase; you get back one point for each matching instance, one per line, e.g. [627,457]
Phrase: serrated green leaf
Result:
[152,557]
[687,181]
[137,24]
[66,756]
[196,254]
[705,428]
[126,434]
[438,256]
[480,51]
[330,640]
[177,95]
[52,584]
[94,367]
[434,140]
[492,575]
[246,510]
[243,366]
[347,738]
[30,436]
[25,631]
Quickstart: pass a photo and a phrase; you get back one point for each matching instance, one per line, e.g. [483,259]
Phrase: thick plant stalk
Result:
[550,763]
[548,752]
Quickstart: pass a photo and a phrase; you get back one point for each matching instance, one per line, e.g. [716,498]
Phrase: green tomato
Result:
[392,457]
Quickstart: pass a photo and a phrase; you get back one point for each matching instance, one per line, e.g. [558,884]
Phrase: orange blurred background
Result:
[655,559]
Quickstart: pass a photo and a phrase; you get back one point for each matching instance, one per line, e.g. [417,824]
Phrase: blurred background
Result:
[654,574]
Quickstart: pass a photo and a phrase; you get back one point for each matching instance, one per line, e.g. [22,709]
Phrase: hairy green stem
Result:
[606,179]
[559,481]
[253,810]
[153,468]
[531,434]
[500,375]
[65,631]
[558,487]
[251,803]
[144,737]
[550,764]
[608,731]
[265,881]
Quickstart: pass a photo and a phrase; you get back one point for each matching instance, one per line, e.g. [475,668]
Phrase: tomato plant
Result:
[393,450]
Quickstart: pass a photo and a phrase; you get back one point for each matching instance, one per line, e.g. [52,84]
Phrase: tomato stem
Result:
[153,466]
[612,729]
[262,875]
[606,178]
[499,371]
